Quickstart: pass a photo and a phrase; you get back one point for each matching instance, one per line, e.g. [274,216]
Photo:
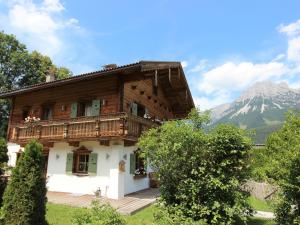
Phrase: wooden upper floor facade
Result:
[115,102]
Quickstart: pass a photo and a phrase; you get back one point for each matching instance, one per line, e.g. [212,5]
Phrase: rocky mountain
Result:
[261,107]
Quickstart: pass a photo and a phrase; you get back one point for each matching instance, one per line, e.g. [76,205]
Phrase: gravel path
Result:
[267,215]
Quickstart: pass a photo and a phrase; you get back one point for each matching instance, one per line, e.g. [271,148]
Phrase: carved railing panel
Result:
[81,128]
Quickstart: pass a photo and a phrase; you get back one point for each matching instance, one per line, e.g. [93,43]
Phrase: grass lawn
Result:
[62,214]
[260,205]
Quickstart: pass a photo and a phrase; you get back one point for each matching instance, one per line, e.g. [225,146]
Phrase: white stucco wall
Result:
[131,184]
[112,183]
[13,149]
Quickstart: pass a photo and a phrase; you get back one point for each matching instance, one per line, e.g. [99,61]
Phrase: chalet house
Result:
[89,124]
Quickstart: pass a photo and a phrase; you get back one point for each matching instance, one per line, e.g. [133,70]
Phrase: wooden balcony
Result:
[84,128]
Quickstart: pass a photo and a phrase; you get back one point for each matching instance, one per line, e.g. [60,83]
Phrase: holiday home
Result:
[89,124]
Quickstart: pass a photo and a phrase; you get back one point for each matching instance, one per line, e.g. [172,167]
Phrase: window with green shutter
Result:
[96,107]
[69,164]
[134,109]
[132,163]
[74,107]
[93,164]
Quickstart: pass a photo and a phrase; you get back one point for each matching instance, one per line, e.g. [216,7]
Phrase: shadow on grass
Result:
[258,221]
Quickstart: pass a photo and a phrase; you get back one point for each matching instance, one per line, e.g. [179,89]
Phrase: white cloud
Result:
[238,76]
[290,29]
[205,102]
[40,26]
[201,66]
[184,64]
[222,83]
[53,5]
[293,52]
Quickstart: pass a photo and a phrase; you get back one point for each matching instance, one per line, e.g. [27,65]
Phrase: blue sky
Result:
[225,46]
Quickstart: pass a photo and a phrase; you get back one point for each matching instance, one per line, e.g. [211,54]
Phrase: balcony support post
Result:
[66,129]
[97,128]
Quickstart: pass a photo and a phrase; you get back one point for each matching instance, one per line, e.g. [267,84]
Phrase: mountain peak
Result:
[266,89]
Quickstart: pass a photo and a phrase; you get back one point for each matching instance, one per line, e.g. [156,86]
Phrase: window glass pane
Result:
[83,162]
[88,109]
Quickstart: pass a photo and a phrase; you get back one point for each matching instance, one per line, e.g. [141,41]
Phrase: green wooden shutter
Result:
[74,110]
[132,163]
[96,107]
[69,165]
[134,108]
[93,164]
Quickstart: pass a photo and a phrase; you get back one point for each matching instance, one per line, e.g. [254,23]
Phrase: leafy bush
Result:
[3,161]
[3,151]
[259,164]
[162,216]
[287,209]
[25,196]
[200,173]
[99,214]
[283,168]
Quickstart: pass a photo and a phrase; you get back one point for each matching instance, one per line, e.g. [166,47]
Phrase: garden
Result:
[201,173]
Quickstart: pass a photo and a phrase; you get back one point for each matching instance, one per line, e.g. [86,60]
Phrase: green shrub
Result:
[164,216]
[99,214]
[3,151]
[25,196]
[287,209]
[3,161]
[200,173]
[283,168]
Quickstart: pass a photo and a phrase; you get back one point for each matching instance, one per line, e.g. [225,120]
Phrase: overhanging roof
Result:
[141,66]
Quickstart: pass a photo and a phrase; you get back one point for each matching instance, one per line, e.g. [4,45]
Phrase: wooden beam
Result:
[104,142]
[121,93]
[178,71]
[73,143]
[10,117]
[170,75]
[155,79]
[186,95]
[128,143]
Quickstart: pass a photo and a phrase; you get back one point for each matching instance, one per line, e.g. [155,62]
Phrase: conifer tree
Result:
[3,160]
[25,196]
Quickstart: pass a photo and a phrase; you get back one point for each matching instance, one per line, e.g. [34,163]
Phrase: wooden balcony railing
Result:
[82,128]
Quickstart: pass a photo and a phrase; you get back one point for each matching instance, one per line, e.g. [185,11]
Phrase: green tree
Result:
[3,152]
[283,168]
[25,196]
[3,160]
[200,173]
[19,68]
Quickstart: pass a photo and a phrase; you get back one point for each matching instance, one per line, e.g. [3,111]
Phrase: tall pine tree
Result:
[25,196]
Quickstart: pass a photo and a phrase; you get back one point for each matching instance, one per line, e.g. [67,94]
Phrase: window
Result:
[138,109]
[26,112]
[137,164]
[85,109]
[47,112]
[81,163]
